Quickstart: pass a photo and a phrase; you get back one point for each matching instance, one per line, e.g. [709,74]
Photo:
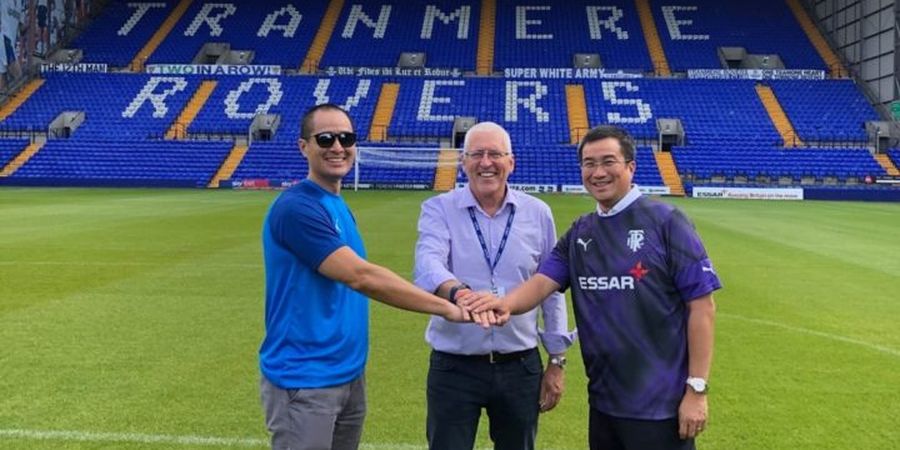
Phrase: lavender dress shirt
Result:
[449,249]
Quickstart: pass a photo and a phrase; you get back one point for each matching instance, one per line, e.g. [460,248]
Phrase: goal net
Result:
[405,167]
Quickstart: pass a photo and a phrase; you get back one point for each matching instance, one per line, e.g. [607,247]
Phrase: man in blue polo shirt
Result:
[642,287]
[314,353]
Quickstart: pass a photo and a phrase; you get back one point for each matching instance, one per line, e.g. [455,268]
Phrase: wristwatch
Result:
[455,289]
[559,361]
[697,385]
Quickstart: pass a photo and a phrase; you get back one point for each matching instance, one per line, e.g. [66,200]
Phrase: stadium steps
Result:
[831,60]
[669,173]
[21,159]
[484,60]
[20,97]
[179,128]
[323,36]
[888,165]
[384,111]
[778,117]
[577,109]
[445,175]
[231,163]
[651,36]
[137,64]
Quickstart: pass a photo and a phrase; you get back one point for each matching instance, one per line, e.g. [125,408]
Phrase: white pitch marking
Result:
[140,438]
[85,436]
[835,337]
[123,263]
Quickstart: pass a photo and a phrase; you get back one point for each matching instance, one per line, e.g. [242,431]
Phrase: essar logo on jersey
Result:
[606,283]
[615,283]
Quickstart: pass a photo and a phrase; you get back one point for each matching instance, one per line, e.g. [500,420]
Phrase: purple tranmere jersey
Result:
[631,275]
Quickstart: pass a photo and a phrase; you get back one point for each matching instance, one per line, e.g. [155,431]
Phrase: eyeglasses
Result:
[327,138]
[481,154]
[592,164]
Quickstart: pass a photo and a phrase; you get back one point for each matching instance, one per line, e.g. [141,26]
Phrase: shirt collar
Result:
[623,203]
[467,199]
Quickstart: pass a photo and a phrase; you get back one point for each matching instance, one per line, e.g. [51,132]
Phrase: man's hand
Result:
[692,414]
[484,305]
[552,387]
[456,313]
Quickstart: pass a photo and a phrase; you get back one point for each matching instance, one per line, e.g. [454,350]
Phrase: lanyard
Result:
[484,247]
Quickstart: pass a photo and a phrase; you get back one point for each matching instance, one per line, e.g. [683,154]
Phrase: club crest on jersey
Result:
[584,243]
[635,240]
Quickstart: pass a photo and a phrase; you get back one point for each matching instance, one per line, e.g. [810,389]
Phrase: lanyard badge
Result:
[484,248]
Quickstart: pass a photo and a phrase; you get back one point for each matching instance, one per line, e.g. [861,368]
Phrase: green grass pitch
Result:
[131,319]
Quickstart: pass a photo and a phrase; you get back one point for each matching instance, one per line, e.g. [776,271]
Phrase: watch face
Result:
[697,384]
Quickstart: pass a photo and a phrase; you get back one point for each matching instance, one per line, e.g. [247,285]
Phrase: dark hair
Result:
[306,121]
[626,143]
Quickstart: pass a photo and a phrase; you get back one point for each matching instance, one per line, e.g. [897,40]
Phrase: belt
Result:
[492,357]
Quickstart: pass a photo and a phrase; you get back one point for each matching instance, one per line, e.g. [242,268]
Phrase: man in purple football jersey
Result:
[642,291]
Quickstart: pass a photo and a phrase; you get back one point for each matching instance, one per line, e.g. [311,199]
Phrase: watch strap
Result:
[455,290]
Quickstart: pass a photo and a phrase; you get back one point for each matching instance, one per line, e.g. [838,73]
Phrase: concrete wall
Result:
[865,33]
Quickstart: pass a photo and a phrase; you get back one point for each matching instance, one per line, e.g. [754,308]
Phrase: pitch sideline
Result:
[139,438]
[836,337]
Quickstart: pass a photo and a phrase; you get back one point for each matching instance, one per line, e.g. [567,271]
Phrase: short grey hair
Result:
[488,127]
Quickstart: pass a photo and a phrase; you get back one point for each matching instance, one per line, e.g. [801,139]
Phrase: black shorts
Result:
[612,433]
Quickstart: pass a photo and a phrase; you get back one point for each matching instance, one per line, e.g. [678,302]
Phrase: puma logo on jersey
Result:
[584,243]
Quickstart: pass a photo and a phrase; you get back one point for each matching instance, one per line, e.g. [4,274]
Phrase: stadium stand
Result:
[116,106]
[894,154]
[536,33]
[374,33]
[702,164]
[825,111]
[236,100]
[182,128]
[9,149]
[140,163]
[693,30]
[719,111]
[278,33]
[121,30]
[533,111]
[272,160]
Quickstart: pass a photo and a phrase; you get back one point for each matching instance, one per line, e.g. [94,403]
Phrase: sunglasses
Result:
[326,139]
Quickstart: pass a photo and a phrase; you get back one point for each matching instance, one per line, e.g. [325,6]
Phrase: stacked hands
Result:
[481,307]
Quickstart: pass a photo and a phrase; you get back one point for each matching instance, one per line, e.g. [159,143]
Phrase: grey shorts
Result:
[315,419]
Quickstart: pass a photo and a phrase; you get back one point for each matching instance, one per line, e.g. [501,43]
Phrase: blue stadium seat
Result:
[537,33]
[374,33]
[693,30]
[279,33]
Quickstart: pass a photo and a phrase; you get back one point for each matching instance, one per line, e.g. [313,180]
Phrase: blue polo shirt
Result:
[316,328]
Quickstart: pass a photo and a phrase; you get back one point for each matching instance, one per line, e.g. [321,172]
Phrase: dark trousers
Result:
[612,433]
[460,386]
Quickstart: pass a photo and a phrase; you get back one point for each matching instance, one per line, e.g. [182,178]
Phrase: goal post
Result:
[414,161]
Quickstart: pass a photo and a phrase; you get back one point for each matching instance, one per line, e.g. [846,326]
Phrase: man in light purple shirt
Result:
[487,237]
